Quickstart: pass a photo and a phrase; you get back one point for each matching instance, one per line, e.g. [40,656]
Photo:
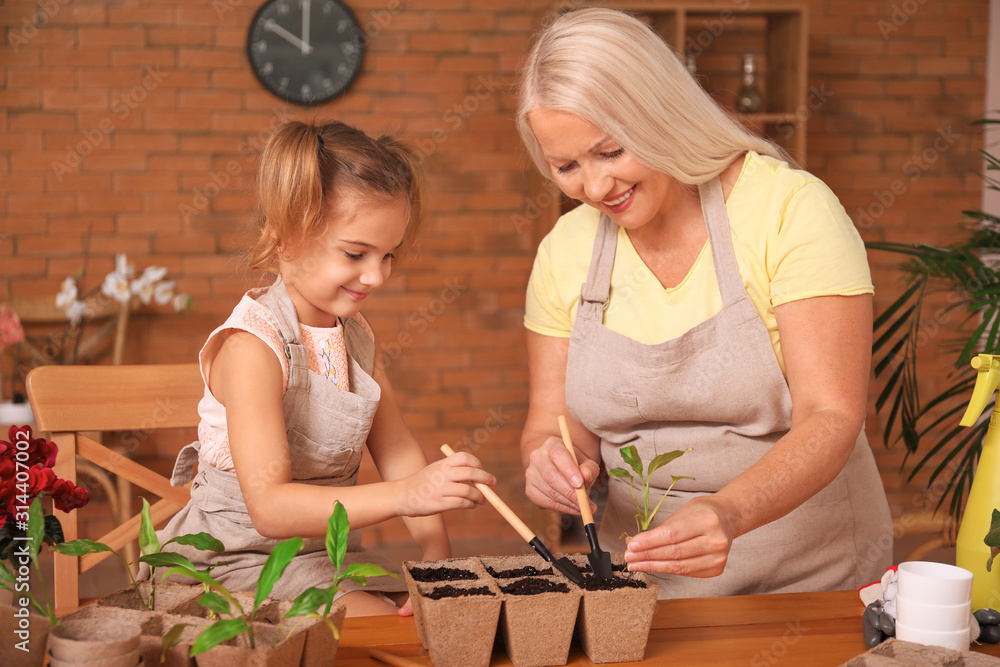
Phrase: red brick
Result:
[98,37]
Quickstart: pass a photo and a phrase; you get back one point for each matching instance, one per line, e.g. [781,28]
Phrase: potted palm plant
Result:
[968,276]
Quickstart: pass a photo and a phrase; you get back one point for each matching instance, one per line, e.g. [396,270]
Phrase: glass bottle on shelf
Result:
[748,100]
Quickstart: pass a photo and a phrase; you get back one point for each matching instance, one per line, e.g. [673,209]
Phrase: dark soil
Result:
[453,592]
[592,583]
[534,586]
[615,567]
[526,571]
[441,574]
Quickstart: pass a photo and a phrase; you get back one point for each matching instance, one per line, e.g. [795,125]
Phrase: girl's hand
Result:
[551,478]
[443,485]
[694,541]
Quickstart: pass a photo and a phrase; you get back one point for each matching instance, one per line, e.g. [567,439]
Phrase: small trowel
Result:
[600,561]
[564,565]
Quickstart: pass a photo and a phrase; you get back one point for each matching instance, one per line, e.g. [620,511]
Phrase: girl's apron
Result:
[327,428]
[719,390]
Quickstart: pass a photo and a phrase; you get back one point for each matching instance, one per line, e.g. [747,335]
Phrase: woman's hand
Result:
[694,541]
[551,477]
[443,485]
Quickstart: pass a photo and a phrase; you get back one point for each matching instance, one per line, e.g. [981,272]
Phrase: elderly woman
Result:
[726,307]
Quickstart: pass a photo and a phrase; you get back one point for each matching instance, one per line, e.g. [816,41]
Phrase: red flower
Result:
[3,520]
[42,451]
[67,496]
[40,480]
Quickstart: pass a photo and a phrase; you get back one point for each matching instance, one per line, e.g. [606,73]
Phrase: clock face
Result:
[305,51]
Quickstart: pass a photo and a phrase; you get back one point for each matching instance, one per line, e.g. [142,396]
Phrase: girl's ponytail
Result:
[289,191]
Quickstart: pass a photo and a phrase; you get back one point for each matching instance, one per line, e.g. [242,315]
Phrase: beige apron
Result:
[327,428]
[719,390]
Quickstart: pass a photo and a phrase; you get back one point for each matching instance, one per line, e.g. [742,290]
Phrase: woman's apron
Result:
[719,390]
[327,428]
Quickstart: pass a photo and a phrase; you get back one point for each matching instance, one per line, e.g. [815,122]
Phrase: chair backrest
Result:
[67,400]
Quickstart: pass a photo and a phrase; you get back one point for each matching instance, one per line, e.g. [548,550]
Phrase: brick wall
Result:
[134,126]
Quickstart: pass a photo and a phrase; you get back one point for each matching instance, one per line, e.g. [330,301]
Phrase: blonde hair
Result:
[305,168]
[615,72]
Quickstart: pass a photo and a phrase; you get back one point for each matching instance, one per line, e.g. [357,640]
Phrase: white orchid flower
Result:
[163,293]
[153,274]
[122,266]
[116,286]
[182,302]
[75,311]
[143,289]
[67,295]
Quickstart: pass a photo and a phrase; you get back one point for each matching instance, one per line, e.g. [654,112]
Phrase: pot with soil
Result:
[444,570]
[24,636]
[615,614]
[537,620]
[167,597]
[274,646]
[456,616]
[320,645]
[94,642]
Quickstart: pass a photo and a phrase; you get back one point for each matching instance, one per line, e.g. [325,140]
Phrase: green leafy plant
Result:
[219,600]
[644,516]
[14,579]
[972,287]
[152,552]
[992,539]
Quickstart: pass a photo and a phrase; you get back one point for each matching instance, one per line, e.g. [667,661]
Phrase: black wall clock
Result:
[305,51]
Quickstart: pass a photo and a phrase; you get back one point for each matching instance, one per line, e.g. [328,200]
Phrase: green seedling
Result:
[992,539]
[630,455]
[152,552]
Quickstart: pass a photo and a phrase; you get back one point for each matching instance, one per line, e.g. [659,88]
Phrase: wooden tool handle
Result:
[500,505]
[390,659]
[581,493]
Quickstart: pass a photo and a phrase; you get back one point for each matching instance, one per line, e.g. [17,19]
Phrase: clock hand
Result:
[306,47]
[292,39]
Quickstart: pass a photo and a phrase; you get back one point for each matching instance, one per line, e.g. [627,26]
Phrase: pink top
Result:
[325,350]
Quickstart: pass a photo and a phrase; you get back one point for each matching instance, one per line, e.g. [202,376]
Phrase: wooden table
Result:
[756,630]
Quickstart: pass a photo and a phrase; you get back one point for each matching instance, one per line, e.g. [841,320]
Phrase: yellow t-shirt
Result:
[792,238]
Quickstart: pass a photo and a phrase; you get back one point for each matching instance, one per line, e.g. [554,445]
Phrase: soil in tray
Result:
[441,574]
[453,592]
[615,567]
[534,586]
[526,571]
[592,583]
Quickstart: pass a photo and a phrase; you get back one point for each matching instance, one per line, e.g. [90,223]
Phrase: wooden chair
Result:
[69,400]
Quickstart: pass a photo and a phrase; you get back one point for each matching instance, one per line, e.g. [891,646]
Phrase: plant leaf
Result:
[992,538]
[274,567]
[36,527]
[310,600]
[81,547]
[215,602]
[663,459]
[218,632]
[364,570]
[53,530]
[202,541]
[172,638]
[631,456]
[148,542]
[619,472]
[167,559]
[993,554]
[337,530]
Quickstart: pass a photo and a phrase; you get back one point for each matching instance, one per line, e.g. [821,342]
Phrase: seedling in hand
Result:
[630,455]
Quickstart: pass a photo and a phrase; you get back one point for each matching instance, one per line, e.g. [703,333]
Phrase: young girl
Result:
[291,388]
